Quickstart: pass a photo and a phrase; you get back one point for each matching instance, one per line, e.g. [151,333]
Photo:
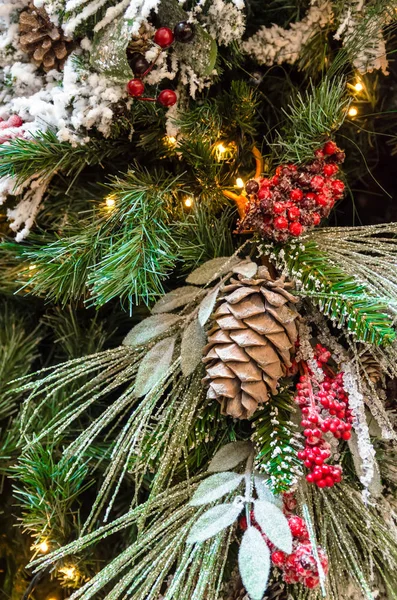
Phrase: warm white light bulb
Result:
[110,201]
[188,202]
[221,148]
[32,267]
[69,572]
[44,547]
[358,86]
[239,182]
[353,112]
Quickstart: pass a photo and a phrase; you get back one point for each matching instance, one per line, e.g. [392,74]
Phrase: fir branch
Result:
[311,118]
[349,303]
[277,442]
[46,491]
[45,155]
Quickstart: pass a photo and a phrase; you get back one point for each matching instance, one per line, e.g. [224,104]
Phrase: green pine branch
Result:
[311,118]
[347,302]
[276,441]
[45,155]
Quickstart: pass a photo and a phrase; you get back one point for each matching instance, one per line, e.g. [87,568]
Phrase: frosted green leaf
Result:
[254,563]
[264,493]
[207,306]
[212,269]
[154,366]
[215,487]
[247,268]
[108,54]
[149,329]
[193,342]
[178,297]
[230,456]
[213,521]
[274,524]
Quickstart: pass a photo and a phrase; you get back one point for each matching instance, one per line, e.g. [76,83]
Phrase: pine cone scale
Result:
[249,347]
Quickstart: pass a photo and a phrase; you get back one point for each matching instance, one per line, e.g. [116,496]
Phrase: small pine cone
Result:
[370,367]
[42,40]
[141,42]
[250,344]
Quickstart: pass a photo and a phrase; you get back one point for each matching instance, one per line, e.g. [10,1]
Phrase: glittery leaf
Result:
[108,55]
[264,493]
[247,268]
[215,487]
[230,456]
[154,366]
[254,563]
[149,329]
[210,270]
[178,297]
[207,306]
[213,521]
[274,524]
[193,342]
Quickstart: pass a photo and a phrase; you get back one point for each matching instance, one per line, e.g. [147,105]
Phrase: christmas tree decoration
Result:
[250,343]
[198,300]
[45,43]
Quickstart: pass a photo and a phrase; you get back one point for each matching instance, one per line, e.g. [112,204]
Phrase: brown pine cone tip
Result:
[141,42]
[250,344]
[42,40]
[370,367]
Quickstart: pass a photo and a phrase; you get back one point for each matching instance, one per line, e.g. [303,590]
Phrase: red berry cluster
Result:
[163,38]
[324,407]
[10,128]
[295,198]
[300,566]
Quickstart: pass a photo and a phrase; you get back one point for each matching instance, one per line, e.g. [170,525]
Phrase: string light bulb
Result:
[239,183]
[221,148]
[32,267]
[43,547]
[110,202]
[358,86]
[69,572]
[353,112]
[188,202]
[170,140]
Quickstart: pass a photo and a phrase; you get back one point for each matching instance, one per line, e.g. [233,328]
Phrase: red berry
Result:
[135,88]
[167,98]
[310,478]
[295,229]
[275,179]
[243,523]
[346,435]
[264,193]
[296,195]
[279,207]
[329,481]
[330,169]
[297,527]
[316,218]
[338,186]
[321,484]
[330,148]
[311,582]
[278,558]
[280,223]
[14,121]
[317,182]
[322,200]
[294,213]
[319,153]
[163,37]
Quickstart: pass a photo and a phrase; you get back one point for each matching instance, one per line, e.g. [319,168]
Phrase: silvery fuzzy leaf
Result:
[247,268]
[149,329]
[215,487]
[177,298]
[213,521]
[274,524]
[154,366]
[230,456]
[264,493]
[108,53]
[193,342]
[212,269]
[207,306]
[254,563]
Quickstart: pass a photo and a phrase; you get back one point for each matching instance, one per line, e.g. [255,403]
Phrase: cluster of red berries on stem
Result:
[11,128]
[296,198]
[164,37]
[324,407]
[300,566]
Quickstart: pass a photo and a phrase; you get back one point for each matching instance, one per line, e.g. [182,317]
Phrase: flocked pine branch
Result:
[339,295]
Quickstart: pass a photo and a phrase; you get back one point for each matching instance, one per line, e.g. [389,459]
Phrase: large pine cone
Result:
[249,347]
[42,40]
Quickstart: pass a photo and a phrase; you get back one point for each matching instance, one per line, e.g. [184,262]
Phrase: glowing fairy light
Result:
[239,183]
[353,112]
[110,202]
[32,267]
[188,202]
[43,547]
[358,86]
[69,572]
[221,148]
